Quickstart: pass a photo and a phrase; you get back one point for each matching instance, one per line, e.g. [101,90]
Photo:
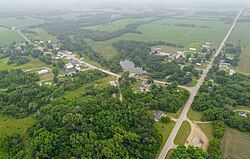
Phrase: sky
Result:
[20,4]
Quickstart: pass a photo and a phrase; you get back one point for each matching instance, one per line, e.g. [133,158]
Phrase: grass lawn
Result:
[193,82]
[207,128]
[15,22]
[183,133]
[41,34]
[34,63]
[165,130]
[194,115]
[169,155]
[8,36]
[236,144]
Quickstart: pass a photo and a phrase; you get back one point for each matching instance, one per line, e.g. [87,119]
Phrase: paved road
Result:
[19,32]
[170,142]
[73,57]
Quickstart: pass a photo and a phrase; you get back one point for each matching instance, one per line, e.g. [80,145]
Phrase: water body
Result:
[129,66]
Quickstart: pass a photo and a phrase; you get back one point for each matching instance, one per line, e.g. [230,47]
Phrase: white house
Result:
[232,72]
[69,66]
[43,71]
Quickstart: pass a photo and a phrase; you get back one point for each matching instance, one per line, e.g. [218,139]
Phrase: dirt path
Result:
[197,137]
[37,69]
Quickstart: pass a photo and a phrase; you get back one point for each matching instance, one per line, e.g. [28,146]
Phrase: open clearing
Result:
[19,22]
[236,144]
[194,115]
[8,36]
[34,63]
[207,128]
[183,133]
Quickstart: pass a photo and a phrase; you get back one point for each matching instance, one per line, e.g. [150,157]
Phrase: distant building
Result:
[43,71]
[69,66]
[159,52]
[198,64]
[158,114]
[243,114]
[231,72]
[192,49]
[113,83]
[180,54]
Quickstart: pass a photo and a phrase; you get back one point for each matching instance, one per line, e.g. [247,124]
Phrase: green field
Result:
[207,128]
[164,130]
[41,34]
[236,144]
[8,36]
[34,63]
[183,133]
[15,22]
[116,25]
[166,30]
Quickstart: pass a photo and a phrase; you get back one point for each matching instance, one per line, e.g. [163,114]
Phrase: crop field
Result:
[234,142]
[116,25]
[8,36]
[241,35]
[34,63]
[41,34]
[171,30]
[19,22]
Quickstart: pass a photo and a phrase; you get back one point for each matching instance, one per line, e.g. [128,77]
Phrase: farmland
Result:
[234,142]
[8,36]
[171,30]
[19,22]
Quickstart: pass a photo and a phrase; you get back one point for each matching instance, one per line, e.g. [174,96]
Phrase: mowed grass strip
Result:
[34,63]
[236,144]
[194,115]
[182,134]
[164,129]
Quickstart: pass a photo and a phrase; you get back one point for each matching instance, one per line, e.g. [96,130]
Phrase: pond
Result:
[129,66]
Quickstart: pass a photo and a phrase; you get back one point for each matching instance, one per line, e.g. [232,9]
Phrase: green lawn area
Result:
[183,133]
[165,130]
[194,115]
[10,125]
[236,144]
[41,34]
[15,22]
[207,128]
[8,36]
[34,63]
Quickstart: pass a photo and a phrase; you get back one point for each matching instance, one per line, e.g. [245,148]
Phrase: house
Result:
[69,66]
[179,54]
[158,114]
[198,64]
[159,52]
[192,49]
[243,114]
[113,83]
[43,71]
[231,72]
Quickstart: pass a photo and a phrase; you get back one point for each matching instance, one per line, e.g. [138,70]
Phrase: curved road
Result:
[170,142]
